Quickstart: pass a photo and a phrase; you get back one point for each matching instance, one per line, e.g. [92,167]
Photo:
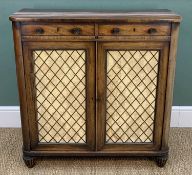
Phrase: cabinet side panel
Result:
[21,84]
[170,84]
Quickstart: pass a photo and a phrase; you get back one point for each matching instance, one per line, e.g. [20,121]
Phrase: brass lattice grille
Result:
[60,95]
[131,93]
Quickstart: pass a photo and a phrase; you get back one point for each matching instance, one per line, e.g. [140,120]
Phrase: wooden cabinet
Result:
[95,83]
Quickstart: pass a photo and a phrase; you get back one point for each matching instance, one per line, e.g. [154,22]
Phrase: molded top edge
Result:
[58,15]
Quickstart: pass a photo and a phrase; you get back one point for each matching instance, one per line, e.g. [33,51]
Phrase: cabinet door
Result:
[131,82]
[60,95]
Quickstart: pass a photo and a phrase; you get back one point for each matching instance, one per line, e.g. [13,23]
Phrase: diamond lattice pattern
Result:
[60,95]
[131,94]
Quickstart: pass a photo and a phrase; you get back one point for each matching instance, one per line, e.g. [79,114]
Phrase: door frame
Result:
[89,46]
[163,47]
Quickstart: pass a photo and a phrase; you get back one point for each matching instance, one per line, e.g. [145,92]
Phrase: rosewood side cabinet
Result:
[95,83]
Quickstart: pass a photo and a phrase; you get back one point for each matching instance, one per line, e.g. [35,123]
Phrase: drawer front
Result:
[134,29]
[55,29]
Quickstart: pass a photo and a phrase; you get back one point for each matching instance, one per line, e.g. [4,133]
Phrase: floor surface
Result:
[179,163]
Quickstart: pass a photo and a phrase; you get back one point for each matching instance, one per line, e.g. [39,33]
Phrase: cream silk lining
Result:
[131,93]
[60,84]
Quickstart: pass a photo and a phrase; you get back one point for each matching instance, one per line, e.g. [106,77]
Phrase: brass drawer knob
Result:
[76,31]
[39,31]
[115,31]
[152,31]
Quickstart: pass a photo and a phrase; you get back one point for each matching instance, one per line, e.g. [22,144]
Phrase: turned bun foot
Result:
[29,161]
[161,160]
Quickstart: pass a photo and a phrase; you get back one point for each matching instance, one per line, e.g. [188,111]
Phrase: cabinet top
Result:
[71,16]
